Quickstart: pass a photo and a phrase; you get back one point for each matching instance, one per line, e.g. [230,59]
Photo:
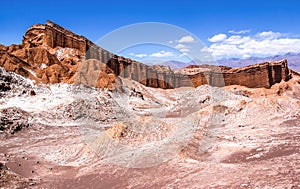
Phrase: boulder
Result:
[13,120]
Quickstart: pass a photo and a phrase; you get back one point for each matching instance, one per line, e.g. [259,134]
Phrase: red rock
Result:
[42,41]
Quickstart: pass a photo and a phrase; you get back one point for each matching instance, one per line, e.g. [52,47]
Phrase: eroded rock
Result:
[13,120]
[50,53]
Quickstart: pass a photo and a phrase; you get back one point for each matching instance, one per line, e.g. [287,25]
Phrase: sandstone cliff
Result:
[51,54]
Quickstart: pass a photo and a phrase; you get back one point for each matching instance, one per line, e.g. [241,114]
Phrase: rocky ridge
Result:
[50,53]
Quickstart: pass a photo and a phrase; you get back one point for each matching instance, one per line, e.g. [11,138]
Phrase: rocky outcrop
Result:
[13,120]
[254,76]
[53,35]
[14,64]
[152,76]
[50,53]
[92,73]
[259,75]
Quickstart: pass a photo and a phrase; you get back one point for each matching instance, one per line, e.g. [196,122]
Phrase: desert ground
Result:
[68,136]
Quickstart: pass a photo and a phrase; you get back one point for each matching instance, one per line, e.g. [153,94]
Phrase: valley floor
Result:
[239,137]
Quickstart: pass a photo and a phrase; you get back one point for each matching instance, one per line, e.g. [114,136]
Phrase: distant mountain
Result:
[175,64]
[292,58]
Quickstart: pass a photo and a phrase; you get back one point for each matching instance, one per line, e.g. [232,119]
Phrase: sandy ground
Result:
[61,159]
[255,143]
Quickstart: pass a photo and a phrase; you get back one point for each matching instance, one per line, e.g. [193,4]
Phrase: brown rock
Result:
[3,166]
[117,131]
[259,75]
[42,42]
[94,73]
[3,48]
[13,120]
[36,57]
[14,64]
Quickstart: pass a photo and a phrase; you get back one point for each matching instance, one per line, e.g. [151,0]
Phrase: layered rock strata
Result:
[50,53]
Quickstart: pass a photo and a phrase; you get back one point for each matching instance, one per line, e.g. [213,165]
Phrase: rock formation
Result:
[51,54]
[13,120]
[254,76]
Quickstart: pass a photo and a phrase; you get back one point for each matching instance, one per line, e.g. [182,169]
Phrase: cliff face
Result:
[254,76]
[53,35]
[262,75]
[52,54]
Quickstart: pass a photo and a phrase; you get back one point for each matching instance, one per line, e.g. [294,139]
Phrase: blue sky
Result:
[227,28]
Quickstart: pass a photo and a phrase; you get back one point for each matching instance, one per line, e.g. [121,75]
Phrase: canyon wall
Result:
[254,76]
[57,36]
[43,43]
[259,75]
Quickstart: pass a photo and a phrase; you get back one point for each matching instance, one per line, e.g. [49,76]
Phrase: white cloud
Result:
[162,54]
[261,45]
[268,35]
[224,50]
[204,49]
[184,50]
[218,38]
[181,46]
[141,55]
[238,32]
[236,39]
[186,39]
[246,56]
[183,54]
